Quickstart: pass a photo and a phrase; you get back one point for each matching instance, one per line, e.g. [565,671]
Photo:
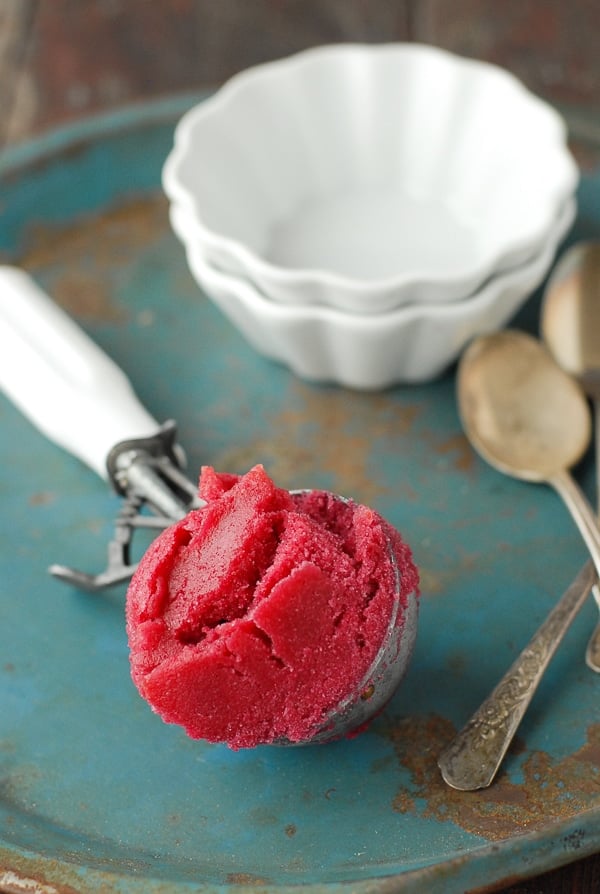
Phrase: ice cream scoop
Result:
[80,399]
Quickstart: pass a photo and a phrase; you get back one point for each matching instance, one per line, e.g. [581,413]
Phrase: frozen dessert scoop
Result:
[271,616]
[258,615]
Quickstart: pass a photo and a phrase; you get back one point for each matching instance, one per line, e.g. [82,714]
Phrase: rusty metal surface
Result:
[96,794]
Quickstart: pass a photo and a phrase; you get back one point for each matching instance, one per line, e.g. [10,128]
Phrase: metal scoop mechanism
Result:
[147,473]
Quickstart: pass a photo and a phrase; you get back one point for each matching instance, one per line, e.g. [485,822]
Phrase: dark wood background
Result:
[62,59]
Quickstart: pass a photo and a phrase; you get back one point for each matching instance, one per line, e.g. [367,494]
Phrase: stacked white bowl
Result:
[361,212]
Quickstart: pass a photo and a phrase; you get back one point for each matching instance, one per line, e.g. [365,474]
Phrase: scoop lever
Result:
[146,472]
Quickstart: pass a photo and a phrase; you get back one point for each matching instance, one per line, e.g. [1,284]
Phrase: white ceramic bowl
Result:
[369,177]
[410,344]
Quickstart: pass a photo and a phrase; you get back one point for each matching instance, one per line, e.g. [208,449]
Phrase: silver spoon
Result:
[529,419]
[570,326]
[78,397]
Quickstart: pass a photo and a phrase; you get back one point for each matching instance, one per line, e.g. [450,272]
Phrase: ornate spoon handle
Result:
[473,757]
[592,653]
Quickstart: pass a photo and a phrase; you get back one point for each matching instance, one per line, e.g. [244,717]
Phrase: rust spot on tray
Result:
[459,449]
[330,430]
[437,581]
[85,295]
[51,875]
[42,498]
[12,882]
[246,878]
[281,459]
[551,788]
[80,257]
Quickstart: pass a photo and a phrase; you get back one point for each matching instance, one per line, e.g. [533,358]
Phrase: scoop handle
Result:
[60,379]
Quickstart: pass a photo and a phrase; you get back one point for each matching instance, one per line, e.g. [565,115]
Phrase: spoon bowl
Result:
[570,318]
[521,412]
[528,418]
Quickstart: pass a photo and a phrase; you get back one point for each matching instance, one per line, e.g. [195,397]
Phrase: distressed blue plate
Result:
[96,794]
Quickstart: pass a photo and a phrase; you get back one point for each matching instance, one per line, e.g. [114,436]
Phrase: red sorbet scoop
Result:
[253,619]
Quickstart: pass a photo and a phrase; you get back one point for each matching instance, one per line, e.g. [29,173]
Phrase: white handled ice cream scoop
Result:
[80,399]
[258,615]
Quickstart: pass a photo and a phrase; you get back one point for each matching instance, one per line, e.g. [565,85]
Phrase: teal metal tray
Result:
[96,794]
